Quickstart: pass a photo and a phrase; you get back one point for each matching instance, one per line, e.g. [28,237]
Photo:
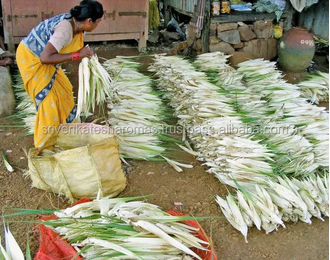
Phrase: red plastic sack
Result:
[211,254]
[53,247]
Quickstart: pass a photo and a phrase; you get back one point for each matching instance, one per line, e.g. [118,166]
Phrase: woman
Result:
[52,42]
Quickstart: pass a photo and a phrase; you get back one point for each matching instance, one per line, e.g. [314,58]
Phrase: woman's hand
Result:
[86,52]
[8,61]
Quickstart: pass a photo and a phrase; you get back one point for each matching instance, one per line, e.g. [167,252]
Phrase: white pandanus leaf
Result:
[188,150]
[226,210]
[160,233]
[237,215]
[109,245]
[6,163]
[184,236]
[81,90]
[176,165]
[250,211]
[87,74]
[3,252]
[12,247]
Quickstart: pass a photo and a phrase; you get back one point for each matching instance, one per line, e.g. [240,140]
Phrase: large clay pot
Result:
[296,50]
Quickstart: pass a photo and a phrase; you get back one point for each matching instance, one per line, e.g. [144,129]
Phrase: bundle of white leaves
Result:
[316,88]
[262,99]
[291,109]
[94,86]
[137,113]
[134,111]
[25,108]
[122,228]
[272,202]
[263,81]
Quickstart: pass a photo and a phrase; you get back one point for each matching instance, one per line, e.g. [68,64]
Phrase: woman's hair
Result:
[87,9]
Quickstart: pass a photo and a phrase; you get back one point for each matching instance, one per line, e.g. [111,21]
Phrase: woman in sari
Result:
[39,55]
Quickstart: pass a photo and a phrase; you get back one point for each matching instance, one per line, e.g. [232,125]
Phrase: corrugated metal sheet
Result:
[184,5]
[316,19]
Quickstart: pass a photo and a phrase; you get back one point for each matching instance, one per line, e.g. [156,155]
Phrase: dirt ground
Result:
[194,188]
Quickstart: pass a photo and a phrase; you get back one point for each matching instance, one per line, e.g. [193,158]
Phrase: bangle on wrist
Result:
[75,56]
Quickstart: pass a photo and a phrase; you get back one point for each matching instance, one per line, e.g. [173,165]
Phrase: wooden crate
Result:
[122,19]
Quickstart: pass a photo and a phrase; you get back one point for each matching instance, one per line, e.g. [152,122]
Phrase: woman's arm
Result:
[51,56]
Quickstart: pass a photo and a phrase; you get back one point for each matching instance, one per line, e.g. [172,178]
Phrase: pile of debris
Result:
[171,35]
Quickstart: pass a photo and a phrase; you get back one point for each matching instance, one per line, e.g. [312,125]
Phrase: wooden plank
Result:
[108,23]
[128,16]
[206,27]
[182,11]
[8,25]
[111,36]
[167,12]
[144,33]
[248,16]
[25,16]
[94,38]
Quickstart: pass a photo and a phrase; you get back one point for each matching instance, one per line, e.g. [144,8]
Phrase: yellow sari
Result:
[49,89]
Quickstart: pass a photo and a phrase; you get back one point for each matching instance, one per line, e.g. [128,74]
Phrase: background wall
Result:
[316,19]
